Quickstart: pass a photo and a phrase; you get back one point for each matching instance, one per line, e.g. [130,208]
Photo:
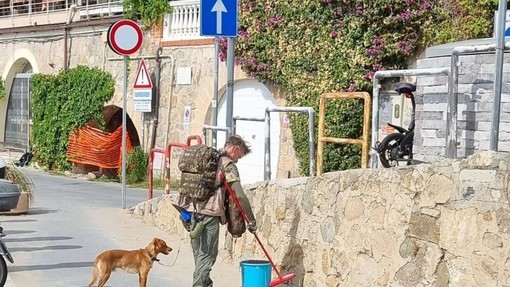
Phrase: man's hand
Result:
[252,227]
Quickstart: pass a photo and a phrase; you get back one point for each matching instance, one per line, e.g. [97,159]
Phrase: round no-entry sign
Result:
[125,37]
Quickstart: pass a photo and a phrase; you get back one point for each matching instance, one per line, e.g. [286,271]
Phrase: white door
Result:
[251,98]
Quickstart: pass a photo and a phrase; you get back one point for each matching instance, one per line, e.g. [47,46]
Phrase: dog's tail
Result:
[94,276]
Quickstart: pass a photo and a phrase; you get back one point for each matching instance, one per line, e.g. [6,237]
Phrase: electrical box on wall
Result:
[183,76]
[391,110]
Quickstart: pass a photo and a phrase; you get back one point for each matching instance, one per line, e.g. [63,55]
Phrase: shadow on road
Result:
[11,231]
[19,220]
[51,266]
[42,238]
[37,211]
[42,248]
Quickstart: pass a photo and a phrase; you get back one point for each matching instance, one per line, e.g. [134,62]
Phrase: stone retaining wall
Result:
[440,224]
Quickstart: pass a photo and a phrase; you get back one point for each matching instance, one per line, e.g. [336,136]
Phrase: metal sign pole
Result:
[498,74]
[124,156]
[215,100]
[125,37]
[230,85]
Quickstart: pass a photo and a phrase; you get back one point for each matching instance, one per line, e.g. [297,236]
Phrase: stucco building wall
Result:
[87,46]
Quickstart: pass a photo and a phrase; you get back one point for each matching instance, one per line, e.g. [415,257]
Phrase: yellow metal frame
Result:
[365,142]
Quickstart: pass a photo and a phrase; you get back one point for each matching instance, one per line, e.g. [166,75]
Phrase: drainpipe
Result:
[154,121]
[375,98]
[453,86]
[70,16]
[169,102]
[65,47]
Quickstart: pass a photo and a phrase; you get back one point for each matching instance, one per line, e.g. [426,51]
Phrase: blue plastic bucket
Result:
[255,273]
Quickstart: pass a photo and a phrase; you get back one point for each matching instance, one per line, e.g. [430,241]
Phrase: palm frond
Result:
[20,177]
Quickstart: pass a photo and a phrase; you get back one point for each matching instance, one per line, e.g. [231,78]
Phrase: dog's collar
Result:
[153,258]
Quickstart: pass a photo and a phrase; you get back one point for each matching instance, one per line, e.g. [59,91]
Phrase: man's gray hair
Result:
[236,140]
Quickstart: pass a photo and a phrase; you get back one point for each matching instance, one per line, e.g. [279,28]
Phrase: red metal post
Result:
[168,159]
[193,137]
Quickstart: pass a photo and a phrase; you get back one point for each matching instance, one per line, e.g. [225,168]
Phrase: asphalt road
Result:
[72,220]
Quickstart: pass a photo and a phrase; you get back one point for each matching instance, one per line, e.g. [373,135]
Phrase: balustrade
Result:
[184,22]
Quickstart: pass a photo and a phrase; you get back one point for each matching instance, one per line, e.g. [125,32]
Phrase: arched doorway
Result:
[251,98]
[18,116]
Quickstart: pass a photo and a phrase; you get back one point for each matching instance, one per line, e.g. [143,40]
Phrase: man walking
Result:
[209,214]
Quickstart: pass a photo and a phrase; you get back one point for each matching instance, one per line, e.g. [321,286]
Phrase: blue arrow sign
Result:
[218,18]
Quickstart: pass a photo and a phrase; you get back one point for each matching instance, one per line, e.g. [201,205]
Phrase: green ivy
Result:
[2,90]
[60,104]
[150,12]
[461,20]
[311,47]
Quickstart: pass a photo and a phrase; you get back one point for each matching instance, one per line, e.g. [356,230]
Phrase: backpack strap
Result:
[224,161]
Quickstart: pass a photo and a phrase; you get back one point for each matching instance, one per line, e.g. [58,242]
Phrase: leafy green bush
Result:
[461,20]
[136,166]
[62,103]
[311,47]
[2,90]
[150,12]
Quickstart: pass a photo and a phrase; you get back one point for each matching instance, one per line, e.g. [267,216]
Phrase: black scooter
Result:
[398,147]
[4,252]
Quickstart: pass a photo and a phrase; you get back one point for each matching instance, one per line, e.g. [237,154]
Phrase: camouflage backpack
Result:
[199,165]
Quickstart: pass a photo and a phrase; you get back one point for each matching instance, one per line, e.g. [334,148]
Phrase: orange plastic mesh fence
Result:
[88,145]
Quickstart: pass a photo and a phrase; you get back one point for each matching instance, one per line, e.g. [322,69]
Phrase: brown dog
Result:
[132,261]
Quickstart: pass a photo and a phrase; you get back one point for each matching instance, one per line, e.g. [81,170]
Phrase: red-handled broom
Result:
[281,279]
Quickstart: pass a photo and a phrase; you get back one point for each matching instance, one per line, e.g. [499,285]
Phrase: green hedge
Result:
[61,103]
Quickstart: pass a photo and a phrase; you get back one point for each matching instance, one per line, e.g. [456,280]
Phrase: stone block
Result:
[384,242]
[433,124]
[483,160]
[424,227]
[432,212]
[354,208]
[435,90]
[485,269]
[432,81]
[437,190]
[429,142]
[435,107]
[328,230]
[433,62]
[459,231]
[429,133]
[492,240]
[503,221]
[434,98]
[366,272]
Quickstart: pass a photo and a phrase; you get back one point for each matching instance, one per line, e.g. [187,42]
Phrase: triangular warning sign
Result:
[143,80]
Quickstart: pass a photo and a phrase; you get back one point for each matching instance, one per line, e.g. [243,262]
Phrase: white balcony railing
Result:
[100,8]
[14,8]
[184,22]
[19,13]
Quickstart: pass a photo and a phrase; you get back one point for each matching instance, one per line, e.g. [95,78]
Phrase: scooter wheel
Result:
[388,148]
[3,271]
